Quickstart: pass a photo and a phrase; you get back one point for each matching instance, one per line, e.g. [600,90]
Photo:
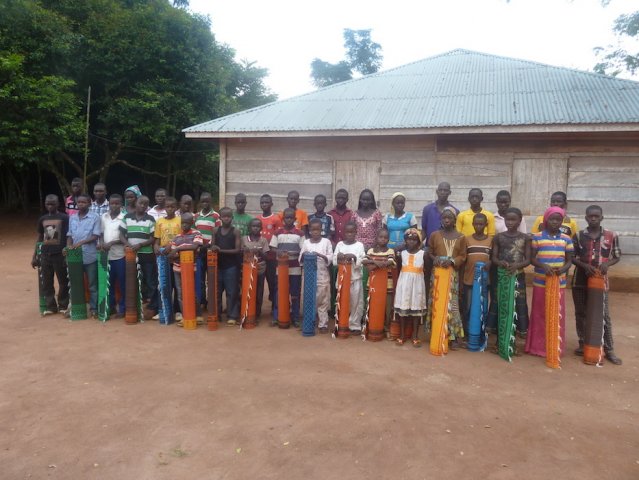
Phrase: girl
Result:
[410,294]
[131,194]
[398,221]
[380,256]
[551,255]
[367,218]
[258,245]
[447,248]
[352,251]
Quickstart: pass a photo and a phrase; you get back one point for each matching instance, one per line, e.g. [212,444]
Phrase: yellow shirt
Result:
[569,227]
[166,229]
[465,222]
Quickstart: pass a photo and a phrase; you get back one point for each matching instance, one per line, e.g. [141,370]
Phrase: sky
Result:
[284,36]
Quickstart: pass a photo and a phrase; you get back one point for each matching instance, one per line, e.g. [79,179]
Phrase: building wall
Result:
[590,168]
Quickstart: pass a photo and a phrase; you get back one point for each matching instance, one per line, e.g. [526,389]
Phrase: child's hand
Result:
[590,270]
[35,263]
[215,248]
[503,264]
[548,270]
[603,268]
[350,257]
[487,266]
[511,269]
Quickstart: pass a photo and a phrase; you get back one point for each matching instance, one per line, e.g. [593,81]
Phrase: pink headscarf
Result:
[552,210]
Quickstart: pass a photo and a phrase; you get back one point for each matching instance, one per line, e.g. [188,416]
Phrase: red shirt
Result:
[270,225]
[341,219]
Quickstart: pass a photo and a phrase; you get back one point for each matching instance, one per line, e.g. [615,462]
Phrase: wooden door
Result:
[355,176]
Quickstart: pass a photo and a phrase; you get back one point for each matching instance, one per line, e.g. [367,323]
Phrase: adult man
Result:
[100,204]
[432,213]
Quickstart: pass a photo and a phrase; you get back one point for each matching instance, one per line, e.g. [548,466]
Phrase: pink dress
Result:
[367,228]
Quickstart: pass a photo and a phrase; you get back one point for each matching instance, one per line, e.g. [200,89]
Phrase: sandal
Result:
[400,342]
[453,346]
[417,343]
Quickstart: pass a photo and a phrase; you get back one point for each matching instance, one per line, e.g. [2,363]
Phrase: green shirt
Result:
[241,222]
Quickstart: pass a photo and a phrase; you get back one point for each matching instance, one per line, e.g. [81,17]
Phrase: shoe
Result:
[354,331]
[323,330]
[199,320]
[579,351]
[94,315]
[230,322]
[180,323]
[296,324]
[274,324]
[66,313]
[155,317]
[612,358]
[118,315]
[46,313]
[178,317]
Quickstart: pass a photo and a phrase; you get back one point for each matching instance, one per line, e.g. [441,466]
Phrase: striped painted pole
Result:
[212,321]
[344,298]
[187,273]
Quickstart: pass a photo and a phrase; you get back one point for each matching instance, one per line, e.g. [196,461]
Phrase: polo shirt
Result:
[138,230]
[206,223]
[465,222]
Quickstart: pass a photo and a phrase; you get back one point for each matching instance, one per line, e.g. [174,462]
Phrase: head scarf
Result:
[552,210]
[395,195]
[136,191]
[451,210]
[413,231]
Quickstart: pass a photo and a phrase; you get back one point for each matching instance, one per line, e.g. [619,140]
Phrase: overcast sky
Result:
[284,36]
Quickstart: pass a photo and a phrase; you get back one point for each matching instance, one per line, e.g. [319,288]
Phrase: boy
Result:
[226,241]
[110,242]
[70,203]
[52,232]
[241,219]
[167,227]
[137,232]
[350,249]
[341,215]
[478,249]
[258,245]
[465,219]
[290,239]
[186,205]
[205,222]
[596,250]
[187,240]
[100,204]
[301,217]
[270,224]
[502,200]
[568,226]
[326,220]
[84,231]
[159,209]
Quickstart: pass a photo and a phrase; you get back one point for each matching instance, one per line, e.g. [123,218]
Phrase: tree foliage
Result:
[362,56]
[615,59]
[153,68]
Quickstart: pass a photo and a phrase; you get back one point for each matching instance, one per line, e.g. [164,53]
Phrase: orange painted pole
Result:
[344,294]
[283,300]
[594,325]
[131,289]
[249,290]
[377,286]
[439,317]
[212,321]
[553,312]
[187,272]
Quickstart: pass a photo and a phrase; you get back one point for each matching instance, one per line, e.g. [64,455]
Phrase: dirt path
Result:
[86,400]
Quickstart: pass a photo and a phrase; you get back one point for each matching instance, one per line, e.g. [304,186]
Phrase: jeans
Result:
[117,275]
[51,265]
[227,280]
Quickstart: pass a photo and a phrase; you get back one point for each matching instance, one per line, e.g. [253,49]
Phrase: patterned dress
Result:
[368,228]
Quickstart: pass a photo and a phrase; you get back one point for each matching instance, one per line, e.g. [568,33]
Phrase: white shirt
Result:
[500,224]
[111,232]
[158,213]
[356,249]
[323,247]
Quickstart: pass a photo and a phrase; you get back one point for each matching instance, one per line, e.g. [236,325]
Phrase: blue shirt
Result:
[328,224]
[432,218]
[81,228]
[397,227]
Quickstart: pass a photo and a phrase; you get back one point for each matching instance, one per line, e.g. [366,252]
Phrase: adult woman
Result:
[368,219]
[130,196]
[398,221]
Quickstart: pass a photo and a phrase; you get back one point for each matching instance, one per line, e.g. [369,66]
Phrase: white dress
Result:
[410,293]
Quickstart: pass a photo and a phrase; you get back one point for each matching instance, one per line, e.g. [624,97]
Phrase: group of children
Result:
[365,239]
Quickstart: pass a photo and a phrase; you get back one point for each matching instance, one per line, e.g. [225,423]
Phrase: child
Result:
[465,218]
[186,205]
[131,194]
[352,251]
[241,219]
[410,294]
[380,256]
[398,221]
[52,232]
[502,200]
[110,242]
[187,240]
[167,227]
[341,215]
[324,249]
[100,204]
[447,248]
[511,250]
[568,225]
[290,239]
[478,249]
[205,222]
[137,232]
[301,217]
[258,245]
[226,241]
[270,224]
[84,231]
[70,203]
[159,209]
[327,222]
[596,250]
[551,255]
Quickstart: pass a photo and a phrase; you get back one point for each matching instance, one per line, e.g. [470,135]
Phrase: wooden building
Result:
[468,118]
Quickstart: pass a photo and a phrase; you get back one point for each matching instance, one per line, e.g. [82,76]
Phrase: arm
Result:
[491,225]
[526,260]
[542,266]
[495,254]
[460,258]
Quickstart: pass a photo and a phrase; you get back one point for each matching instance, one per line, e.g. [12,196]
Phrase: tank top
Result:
[226,242]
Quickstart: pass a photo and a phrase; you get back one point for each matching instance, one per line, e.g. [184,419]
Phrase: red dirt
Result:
[84,400]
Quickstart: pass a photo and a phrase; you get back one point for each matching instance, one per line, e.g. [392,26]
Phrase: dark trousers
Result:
[149,268]
[260,294]
[521,305]
[117,276]
[51,265]
[271,280]
[580,299]
[227,281]
[295,290]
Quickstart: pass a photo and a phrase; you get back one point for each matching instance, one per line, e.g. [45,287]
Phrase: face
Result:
[160,197]
[186,204]
[255,227]
[76,188]
[141,205]
[554,222]
[412,242]
[129,196]
[399,203]
[186,221]
[320,204]
[226,217]
[448,220]
[558,201]
[475,198]
[443,192]
[366,199]
[503,203]
[594,218]
[266,203]
[341,199]
[115,205]
[51,204]
[512,221]
[382,238]
[205,202]
[170,208]
[349,233]
[240,203]
[293,199]
[316,231]
[83,204]
[289,219]
[479,224]
[99,193]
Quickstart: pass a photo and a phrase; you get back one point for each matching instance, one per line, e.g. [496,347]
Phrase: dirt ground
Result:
[86,400]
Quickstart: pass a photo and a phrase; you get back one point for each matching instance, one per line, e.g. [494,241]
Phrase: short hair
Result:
[475,189]
[255,219]
[116,196]
[266,195]
[186,196]
[590,208]
[240,195]
[142,197]
[341,190]
[170,199]
[205,194]
[479,216]
[52,196]
[320,196]
[225,210]
[85,195]
[503,193]
[101,184]
[560,194]
[76,180]
[315,221]
[350,223]
[288,210]
[292,192]
[514,210]
[161,189]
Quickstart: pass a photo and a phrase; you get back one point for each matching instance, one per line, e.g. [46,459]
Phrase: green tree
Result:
[362,55]
[615,59]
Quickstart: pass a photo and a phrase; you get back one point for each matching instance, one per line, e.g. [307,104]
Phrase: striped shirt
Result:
[476,251]
[138,230]
[290,241]
[551,250]
[328,224]
[206,223]
[191,238]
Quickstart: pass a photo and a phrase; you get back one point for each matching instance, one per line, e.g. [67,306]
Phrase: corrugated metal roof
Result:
[460,88]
